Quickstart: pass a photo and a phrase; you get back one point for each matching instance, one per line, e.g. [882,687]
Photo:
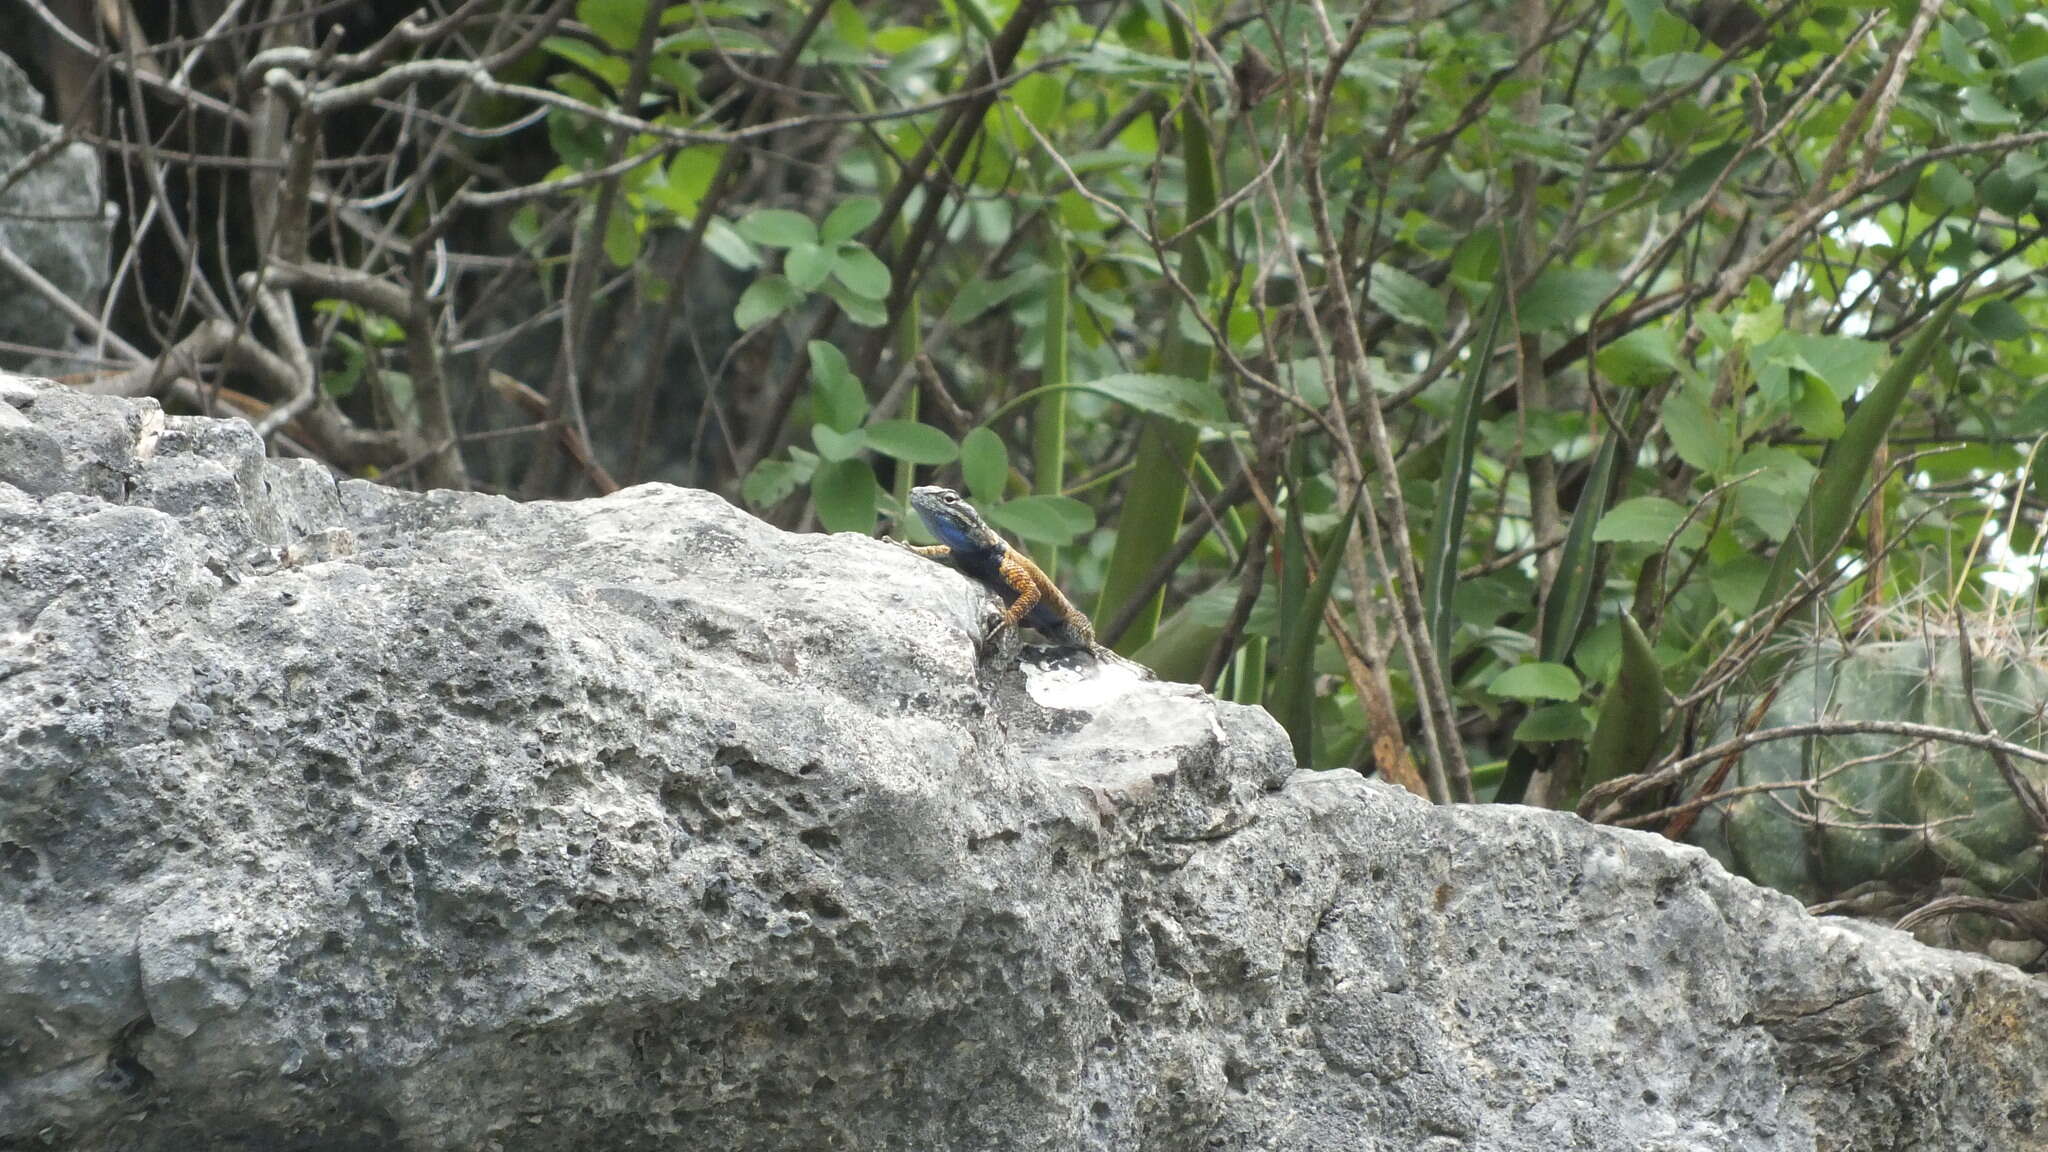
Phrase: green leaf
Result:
[1641,359]
[778,228]
[1560,296]
[860,309]
[910,441]
[1077,214]
[1846,363]
[1176,398]
[1982,106]
[2031,78]
[1700,437]
[728,245]
[687,179]
[1674,70]
[376,327]
[1552,723]
[1817,409]
[1648,520]
[1761,323]
[1770,498]
[1956,51]
[674,71]
[1482,601]
[576,86]
[862,272]
[845,494]
[695,37]
[1056,520]
[342,381]
[765,299]
[1999,320]
[770,483]
[616,22]
[1536,680]
[1642,17]
[1837,492]
[609,69]
[977,296]
[836,446]
[2032,415]
[580,146]
[1079,518]
[848,220]
[1947,184]
[2003,193]
[848,27]
[901,38]
[837,398]
[1540,432]
[985,463]
[621,238]
[1737,583]
[524,226]
[1406,298]
[1040,98]
[807,265]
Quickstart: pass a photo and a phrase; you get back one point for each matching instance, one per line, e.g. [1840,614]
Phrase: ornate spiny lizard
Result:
[968,544]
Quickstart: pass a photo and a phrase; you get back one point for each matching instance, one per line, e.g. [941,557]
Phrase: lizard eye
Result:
[950,498]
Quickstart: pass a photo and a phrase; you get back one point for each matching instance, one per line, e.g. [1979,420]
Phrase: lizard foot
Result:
[1000,640]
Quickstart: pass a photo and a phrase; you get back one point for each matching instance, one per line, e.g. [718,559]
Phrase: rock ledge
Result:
[335,817]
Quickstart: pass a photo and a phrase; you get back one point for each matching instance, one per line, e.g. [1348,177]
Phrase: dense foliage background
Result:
[1506,393]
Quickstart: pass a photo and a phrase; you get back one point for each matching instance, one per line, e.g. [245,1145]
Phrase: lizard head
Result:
[949,516]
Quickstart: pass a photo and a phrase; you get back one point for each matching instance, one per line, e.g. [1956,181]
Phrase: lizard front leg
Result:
[934,551]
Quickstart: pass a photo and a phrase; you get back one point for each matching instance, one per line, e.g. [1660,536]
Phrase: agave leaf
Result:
[1180,646]
[1301,609]
[1454,488]
[1631,713]
[1250,686]
[1571,594]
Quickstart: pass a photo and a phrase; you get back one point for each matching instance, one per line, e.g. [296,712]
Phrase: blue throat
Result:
[950,534]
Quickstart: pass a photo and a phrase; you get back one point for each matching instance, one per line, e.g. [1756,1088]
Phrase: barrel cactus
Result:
[1881,815]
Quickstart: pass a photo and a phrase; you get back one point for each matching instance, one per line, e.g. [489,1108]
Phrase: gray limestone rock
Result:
[337,817]
[52,216]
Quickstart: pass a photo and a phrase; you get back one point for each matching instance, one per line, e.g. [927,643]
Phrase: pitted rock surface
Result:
[337,817]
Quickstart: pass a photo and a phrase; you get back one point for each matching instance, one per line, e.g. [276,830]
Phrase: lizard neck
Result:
[963,537]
